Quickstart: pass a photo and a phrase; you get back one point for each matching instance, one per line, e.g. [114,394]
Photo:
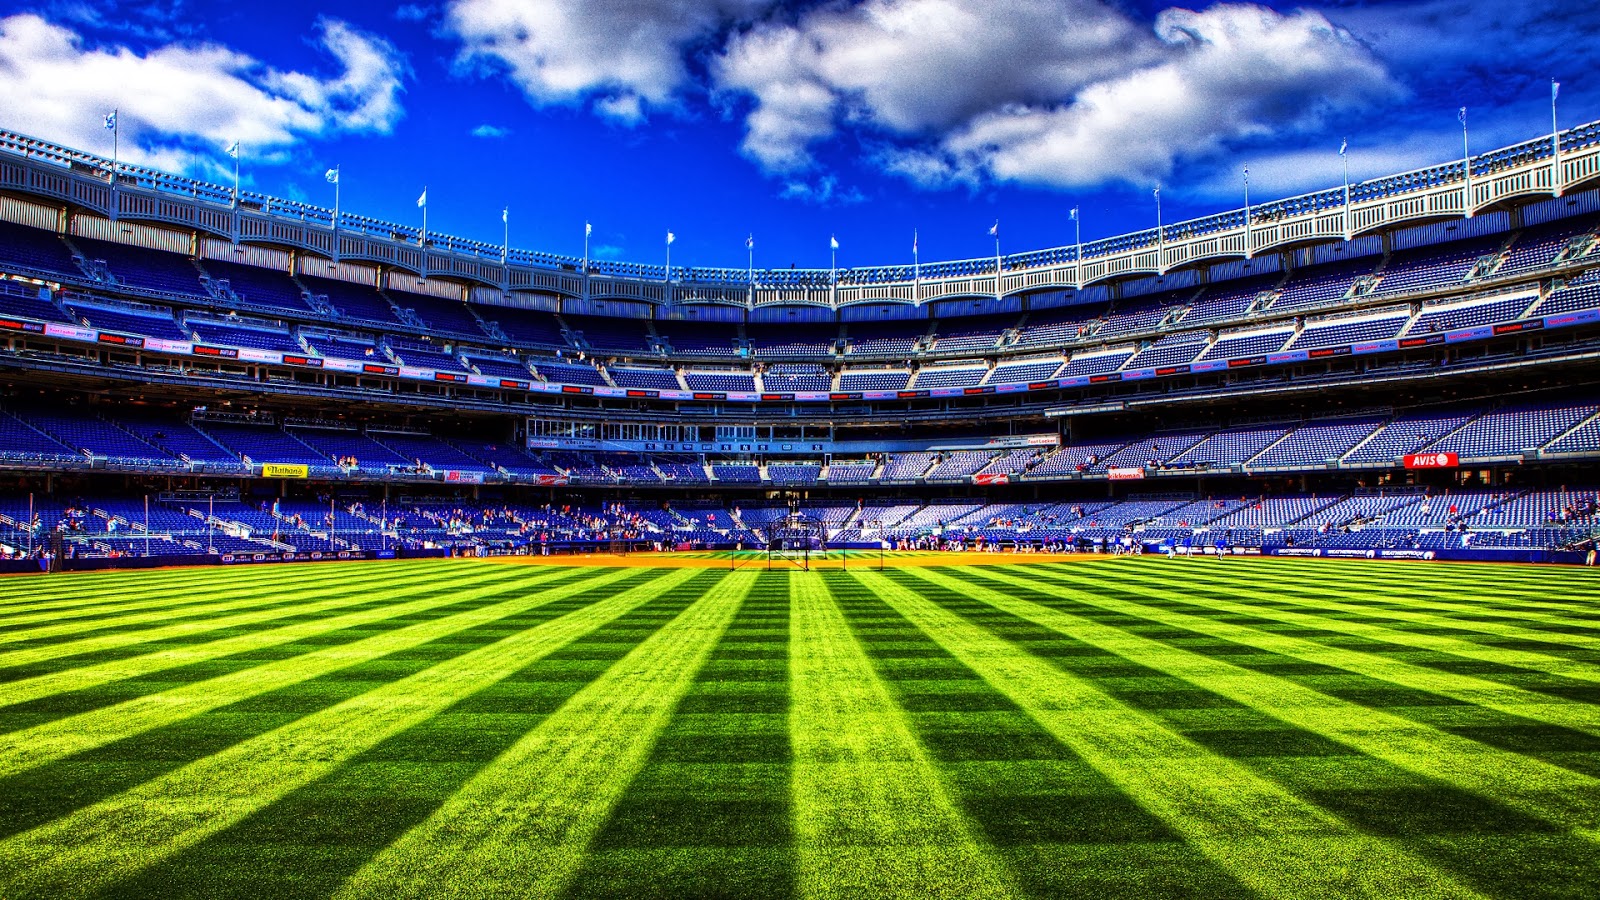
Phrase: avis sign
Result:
[1432,460]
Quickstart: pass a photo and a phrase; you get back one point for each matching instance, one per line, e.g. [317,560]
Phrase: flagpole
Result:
[1077,225]
[1466,164]
[116,132]
[833,271]
[916,271]
[1247,248]
[1161,236]
[337,177]
[1555,141]
[1344,157]
[587,228]
[238,151]
[998,287]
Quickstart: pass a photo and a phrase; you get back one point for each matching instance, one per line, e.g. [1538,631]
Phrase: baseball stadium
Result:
[1248,555]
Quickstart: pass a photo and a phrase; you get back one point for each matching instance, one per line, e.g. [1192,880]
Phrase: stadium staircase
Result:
[405,314]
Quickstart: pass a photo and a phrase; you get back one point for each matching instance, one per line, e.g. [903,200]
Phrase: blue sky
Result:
[791,120]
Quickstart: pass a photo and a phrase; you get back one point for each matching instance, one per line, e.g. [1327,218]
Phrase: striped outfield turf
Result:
[1119,728]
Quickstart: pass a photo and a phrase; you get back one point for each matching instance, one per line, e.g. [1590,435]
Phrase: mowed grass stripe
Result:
[709,813]
[871,816]
[1231,814]
[312,840]
[1562,798]
[1491,715]
[1062,828]
[286,605]
[142,660]
[178,599]
[1472,610]
[81,852]
[522,826]
[69,590]
[1280,588]
[31,747]
[1500,850]
[1466,688]
[248,599]
[34,797]
[120,602]
[1531,584]
[1428,629]
[245,581]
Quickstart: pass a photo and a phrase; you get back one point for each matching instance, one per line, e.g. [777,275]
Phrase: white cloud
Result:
[1059,92]
[1234,72]
[490,131]
[914,66]
[413,12]
[823,191]
[182,104]
[625,56]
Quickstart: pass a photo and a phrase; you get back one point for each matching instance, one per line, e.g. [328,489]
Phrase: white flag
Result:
[750,242]
[670,238]
[1462,115]
[111,120]
[1555,90]
[423,200]
[1343,146]
[833,242]
[587,229]
[913,241]
[994,230]
[1074,214]
[233,149]
[505,214]
[332,175]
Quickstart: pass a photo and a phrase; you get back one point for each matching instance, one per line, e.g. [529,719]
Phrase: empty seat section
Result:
[609,333]
[154,270]
[148,321]
[794,377]
[453,316]
[793,338]
[255,286]
[24,249]
[719,381]
[359,302]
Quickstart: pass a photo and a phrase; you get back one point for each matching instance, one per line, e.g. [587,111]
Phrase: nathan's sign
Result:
[285,470]
[1124,474]
[1432,460]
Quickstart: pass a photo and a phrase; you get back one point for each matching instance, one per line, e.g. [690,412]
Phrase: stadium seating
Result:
[151,270]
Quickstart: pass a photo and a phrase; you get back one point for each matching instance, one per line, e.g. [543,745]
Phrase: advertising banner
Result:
[1124,474]
[285,470]
[1432,460]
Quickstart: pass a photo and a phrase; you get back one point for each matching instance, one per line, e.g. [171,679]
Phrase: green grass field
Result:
[1115,728]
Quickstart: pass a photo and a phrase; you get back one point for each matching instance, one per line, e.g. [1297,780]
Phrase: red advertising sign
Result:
[991,478]
[1121,474]
[1432,460]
